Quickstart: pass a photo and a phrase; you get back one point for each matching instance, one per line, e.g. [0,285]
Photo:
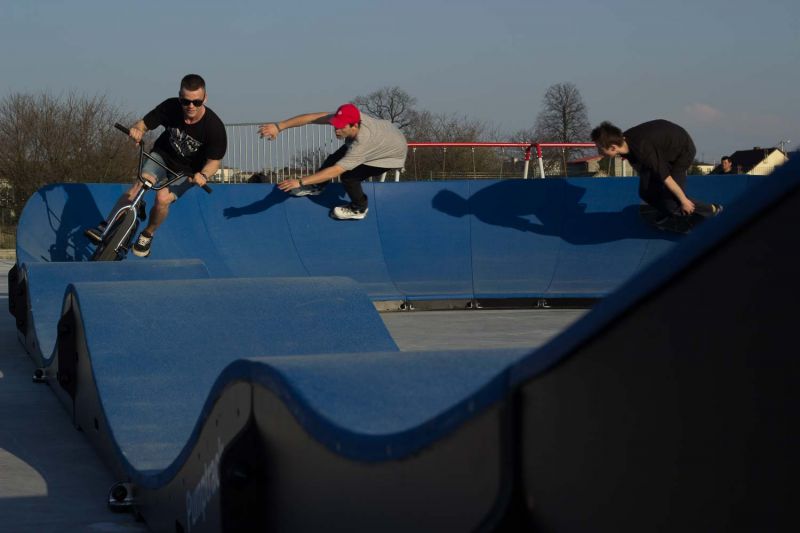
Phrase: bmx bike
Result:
[117,239]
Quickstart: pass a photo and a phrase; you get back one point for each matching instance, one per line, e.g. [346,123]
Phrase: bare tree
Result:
[46,139]
[389,103]
[396,105]
[425,163]
[563,119]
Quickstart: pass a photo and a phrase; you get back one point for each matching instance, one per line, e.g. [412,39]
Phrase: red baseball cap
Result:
[346,114]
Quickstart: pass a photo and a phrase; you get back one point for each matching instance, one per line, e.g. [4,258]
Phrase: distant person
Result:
[662,153]
[725,166]
[193,142]
[371,147]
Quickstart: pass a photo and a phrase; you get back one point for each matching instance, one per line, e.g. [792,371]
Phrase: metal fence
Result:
[300,152]
[296,152]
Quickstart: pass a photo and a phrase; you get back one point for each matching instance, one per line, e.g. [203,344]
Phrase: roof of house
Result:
[748,159]
[745,160]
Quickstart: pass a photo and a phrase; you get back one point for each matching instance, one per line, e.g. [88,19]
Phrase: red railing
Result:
[526,147]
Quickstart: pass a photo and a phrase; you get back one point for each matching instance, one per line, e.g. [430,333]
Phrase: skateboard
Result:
[674,223]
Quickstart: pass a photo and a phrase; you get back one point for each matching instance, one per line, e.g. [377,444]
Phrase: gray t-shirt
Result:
[379,143]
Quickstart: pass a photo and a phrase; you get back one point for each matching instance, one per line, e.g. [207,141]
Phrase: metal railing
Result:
[300,152]
[296,152]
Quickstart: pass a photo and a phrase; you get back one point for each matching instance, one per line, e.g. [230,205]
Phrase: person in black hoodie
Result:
[661,152]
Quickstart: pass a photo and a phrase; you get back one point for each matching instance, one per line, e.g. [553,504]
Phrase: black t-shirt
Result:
[659,149]
[186,147]
[720,170]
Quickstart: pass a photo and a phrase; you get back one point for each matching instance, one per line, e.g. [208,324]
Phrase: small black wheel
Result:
[117,238]
[121,497]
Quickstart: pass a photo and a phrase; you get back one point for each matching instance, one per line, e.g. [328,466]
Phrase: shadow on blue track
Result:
[558,213]
[79,211]
[329,198]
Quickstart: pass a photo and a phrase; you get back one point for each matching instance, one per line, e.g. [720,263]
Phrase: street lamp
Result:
[783,144]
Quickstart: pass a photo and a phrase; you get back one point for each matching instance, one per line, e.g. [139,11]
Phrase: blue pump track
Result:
[241,379]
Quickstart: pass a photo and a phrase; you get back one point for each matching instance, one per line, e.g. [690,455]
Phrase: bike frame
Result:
[135,203]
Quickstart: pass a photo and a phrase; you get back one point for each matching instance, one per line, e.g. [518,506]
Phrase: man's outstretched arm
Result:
[325,174]
[272,129]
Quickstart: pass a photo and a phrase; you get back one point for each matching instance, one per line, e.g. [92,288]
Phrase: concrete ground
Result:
[51,480]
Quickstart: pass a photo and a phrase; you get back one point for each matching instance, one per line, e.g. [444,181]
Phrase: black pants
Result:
[351,180]
[655,193]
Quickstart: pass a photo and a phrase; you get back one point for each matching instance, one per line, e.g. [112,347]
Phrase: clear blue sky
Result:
[727,70]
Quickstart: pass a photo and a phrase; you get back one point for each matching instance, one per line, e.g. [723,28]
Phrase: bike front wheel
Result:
[117,241]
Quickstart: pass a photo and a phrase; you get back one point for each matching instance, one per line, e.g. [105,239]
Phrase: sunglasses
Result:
[185,102]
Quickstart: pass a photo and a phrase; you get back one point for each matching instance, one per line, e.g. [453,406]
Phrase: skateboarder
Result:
[372,147]
[661,152]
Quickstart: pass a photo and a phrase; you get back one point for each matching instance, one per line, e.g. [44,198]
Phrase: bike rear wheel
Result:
[117,241]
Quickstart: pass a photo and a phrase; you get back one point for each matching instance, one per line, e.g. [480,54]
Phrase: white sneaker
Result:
[348,212]
[306,190]
[142,246]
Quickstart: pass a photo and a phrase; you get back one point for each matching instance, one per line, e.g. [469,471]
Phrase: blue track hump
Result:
[427,250]
[380,406]
[330,247]
[249,229]
[186,235]
[516,234]
[51,224]
[326,405]
[47,283]
[144,338]
[578,237]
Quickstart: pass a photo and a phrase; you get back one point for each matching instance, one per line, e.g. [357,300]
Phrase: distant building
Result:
[756,162]
[598,166]
[704,168]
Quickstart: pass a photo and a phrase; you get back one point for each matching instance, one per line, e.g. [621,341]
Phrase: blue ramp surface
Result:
[48,282]
[143,338]
[427,250]
[579,237]
[686,419]
[421,241]
[295,381]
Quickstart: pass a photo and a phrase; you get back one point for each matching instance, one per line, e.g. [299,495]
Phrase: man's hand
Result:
[269,131]
[687,206]
[198,179]
[136,134]
[288,185]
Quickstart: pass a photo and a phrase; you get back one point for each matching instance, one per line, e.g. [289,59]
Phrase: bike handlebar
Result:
[127,131]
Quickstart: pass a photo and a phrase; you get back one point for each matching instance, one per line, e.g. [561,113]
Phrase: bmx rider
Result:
[193,143]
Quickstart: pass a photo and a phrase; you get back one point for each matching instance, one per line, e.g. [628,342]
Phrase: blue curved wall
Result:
[579,237]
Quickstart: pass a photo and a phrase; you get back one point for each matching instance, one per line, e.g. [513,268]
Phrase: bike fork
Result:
[135,206]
